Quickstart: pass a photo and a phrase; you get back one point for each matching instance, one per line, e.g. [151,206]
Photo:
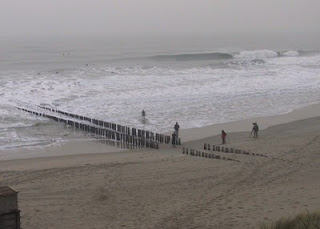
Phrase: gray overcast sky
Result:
[161,17]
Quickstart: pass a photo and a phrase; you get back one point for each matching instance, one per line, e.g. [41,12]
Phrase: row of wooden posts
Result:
[136,137]
[198,153]
[207,146]
[161,138]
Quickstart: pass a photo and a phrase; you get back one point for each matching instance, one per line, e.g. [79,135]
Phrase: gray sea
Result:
[193,82]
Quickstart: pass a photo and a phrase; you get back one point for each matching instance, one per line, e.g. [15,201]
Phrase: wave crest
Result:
[256,54]
[291,53]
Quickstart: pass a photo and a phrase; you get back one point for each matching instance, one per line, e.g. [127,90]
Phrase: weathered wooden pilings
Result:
[207,146]
[119,134]
[199,153]
[160,138]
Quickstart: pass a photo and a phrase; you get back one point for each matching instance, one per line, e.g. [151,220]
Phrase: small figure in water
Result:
[223,136]
[143,114]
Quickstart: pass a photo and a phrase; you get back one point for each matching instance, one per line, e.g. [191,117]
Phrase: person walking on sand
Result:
[223,136]
[255,130]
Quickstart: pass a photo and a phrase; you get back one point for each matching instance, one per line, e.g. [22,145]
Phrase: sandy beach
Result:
[96,186]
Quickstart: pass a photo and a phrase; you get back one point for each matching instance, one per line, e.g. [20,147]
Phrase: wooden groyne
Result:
[135,138]
[224,149]
[199,153]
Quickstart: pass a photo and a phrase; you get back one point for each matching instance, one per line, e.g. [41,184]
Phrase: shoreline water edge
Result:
[89,145]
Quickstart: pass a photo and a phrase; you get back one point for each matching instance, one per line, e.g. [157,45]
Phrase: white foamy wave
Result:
[291,53]
[256,54]
[253,83]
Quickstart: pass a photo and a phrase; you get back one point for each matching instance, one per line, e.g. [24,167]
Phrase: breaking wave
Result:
[256,54]
[291,53]
[243,55]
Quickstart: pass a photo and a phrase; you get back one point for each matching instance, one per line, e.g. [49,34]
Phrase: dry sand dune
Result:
[167,189]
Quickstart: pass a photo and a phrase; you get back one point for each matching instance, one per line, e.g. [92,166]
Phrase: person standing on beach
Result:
[143,113]
[223,136]
[256,130]
[176,128]
[174,139]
